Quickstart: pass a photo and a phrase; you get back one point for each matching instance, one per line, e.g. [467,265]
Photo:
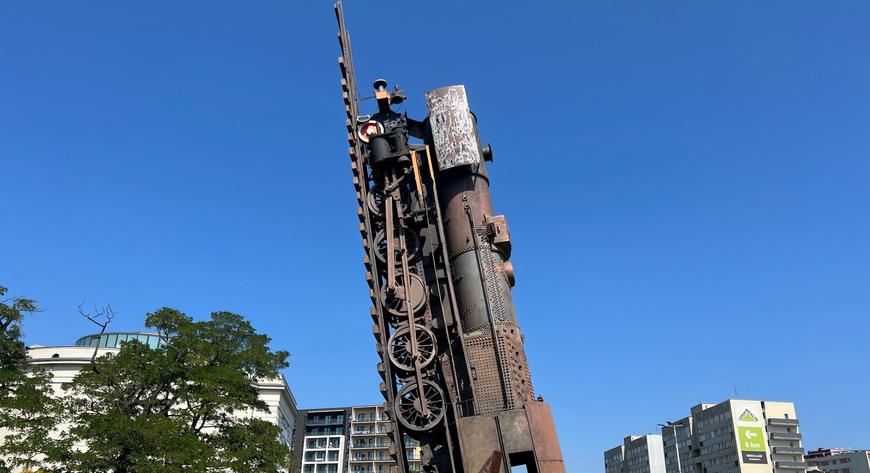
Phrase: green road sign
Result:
[752,444]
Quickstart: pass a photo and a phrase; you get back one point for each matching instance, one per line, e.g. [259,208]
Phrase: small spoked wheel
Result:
[400,347]
[409,406]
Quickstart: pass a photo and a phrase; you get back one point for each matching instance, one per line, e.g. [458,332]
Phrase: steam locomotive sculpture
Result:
[437,258]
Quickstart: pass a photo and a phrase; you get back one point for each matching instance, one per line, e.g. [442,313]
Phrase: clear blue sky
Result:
[686,184]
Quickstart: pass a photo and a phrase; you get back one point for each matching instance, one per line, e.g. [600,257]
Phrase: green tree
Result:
[28,411]
[174,408]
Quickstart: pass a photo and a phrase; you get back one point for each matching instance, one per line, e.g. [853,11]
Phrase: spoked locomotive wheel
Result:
[376,201]
[395,303]
[400,347]
[409,407]
[412,242]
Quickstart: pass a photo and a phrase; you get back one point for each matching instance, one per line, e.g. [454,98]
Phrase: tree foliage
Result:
[28,411]
[176,407]
[187,405]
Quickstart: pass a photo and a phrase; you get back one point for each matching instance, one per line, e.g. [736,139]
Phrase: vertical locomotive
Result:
[437,258]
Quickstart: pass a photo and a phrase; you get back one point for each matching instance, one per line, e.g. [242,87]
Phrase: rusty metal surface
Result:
[510,352]
[453,132]
[548,453]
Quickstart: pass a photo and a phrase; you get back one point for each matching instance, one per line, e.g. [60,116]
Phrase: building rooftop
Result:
[115,339]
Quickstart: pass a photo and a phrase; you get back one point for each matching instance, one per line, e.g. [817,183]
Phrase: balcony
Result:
[783,422]
[385,458]
[788,451]
[785,436]
[324,421]
[321,460]
[792,465]
[362,417]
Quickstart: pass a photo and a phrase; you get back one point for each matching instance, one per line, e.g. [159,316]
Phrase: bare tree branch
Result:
[101,317]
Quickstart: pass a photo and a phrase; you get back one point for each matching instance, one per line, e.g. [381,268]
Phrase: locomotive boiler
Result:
[437,258]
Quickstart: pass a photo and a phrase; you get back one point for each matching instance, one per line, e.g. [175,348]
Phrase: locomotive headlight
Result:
[369,129]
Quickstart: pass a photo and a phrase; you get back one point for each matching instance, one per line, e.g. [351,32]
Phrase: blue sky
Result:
[686,184]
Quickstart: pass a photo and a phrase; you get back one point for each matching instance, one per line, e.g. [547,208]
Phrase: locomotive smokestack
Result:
[465,201]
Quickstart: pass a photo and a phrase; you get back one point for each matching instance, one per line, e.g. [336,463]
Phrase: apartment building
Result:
[737,436]
[613,459]
[637,454]
[823,452]
[677,437]
[369,441]
[369,448]
[840,460]
[349,440]
[321,440]
[734,436]
[643,454]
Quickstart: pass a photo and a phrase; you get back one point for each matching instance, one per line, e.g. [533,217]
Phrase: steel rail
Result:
[360,179]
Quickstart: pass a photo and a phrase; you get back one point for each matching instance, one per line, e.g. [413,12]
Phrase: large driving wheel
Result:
[400,347]
[396,304]
[412,243]
[409,406]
